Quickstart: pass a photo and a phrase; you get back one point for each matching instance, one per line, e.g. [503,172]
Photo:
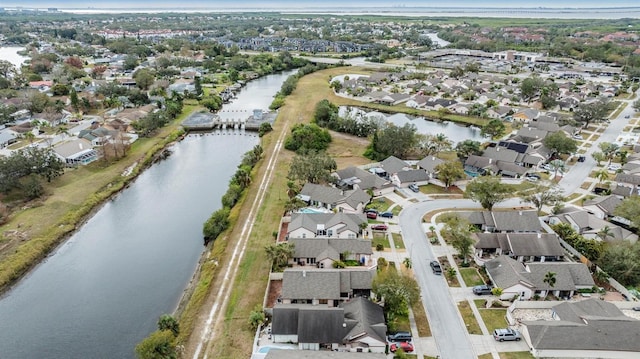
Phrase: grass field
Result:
[494,318]
[433,189]
[424,330]
[471,277]
[397,240]
[380,238]
[469,320]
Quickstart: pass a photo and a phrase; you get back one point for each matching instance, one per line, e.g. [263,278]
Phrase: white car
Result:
[614,167]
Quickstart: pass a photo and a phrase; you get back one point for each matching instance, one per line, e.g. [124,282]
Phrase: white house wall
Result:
[517,289]
[281,338]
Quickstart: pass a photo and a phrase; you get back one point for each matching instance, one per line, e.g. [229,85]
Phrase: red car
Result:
[406,346]
[379,227]
[372,215]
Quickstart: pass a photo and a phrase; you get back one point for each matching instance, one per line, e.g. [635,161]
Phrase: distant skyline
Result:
[301,4]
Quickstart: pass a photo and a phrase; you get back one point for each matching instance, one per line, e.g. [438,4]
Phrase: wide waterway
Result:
[103,290]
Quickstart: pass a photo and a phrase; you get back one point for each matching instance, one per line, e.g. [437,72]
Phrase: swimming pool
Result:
[312,210]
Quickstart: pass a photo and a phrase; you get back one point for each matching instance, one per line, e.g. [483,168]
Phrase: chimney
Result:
[304,273]
[539,235]
[520,213]
[490,160]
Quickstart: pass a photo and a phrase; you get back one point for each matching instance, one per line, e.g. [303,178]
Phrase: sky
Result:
[298,4]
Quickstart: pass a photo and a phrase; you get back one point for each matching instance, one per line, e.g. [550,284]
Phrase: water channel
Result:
[103,290]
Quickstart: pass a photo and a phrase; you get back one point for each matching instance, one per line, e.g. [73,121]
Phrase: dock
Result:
[206,121]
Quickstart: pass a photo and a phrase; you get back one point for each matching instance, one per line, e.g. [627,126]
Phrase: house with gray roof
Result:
[392,165]
[329,286]
[7,137]
[330,225]
[504,221]
[323,252]
[357,178]
[531,134]
[526,280]
[355,326]
[350,201]
[429,164]
[523,247]
[585,329]
[602,207]
[405,178]
[592,227]
[629,180]
[76,152]
[275,353]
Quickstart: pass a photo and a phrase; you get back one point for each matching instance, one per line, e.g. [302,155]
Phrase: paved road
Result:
[450,334]
[580,171]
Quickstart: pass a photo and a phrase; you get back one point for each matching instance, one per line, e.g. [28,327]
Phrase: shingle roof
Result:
[521,244]
[393,164]
[310,221]
[364,317]
[320,193]
[429,163]
[322,248]
[519,221]
[628,178]
[506,272]
[500,154]
[607,204]
[313,283]
[605,329]
[412,176]
[73,147]
[365,180]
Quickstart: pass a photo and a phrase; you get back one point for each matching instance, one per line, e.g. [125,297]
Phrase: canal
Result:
[102,291]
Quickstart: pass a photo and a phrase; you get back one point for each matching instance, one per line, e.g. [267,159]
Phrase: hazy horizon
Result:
[297,4]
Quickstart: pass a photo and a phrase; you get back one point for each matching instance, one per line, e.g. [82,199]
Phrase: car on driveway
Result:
[435,267]
[405,346]
[372,215]
[614,167]
[482,289]
[386,214]
[506,334]
[371,210]
[379,227]
[414,187]
[400,337]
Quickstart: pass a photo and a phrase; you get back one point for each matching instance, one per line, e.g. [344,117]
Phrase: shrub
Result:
[379,248]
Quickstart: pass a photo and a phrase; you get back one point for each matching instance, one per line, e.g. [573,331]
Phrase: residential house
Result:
[356,326]
[531,134]
[504,221]
[392,165]
[628,180]
[308,285]
[592,227]
[324,252]
[429,164]
[357,178]
[76,152]
[602,207]
[525,280]
[331,198]
[406,178]
[584,329]
[523,247]
[526,115]
[7,137]
[338,225]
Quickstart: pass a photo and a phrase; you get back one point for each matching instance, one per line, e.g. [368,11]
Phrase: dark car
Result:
[581,158]
[405,346]
[386,214]
[379,227]
[400,337]
[435,267]
[372,215]
[482,289]
[371,210]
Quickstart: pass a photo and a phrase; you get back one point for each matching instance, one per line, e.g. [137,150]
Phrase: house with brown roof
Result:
[327,286]
[324,252]
[523,247]
[592,227]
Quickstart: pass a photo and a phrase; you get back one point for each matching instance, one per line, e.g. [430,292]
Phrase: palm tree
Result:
[605,232]
[407,262]
[557,165]
[550,279]
[29,136]
[602,175]
[441,142]
[280,254]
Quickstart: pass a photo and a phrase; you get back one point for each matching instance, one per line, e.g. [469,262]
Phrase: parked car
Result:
[577,137]
[371,210]
[581,158]
[406,346]
[386,214]
[506,334]
[372,215]
[614,167]
[379,227]
[482,289]
[414,187]
[627,116]
[532,179]
[533,175]
[400,337]
[435,267]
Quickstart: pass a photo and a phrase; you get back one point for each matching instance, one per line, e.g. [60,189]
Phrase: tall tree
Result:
[158,345]
[312,166]
[487,190]
[542,195]
[494,128]
[449,172]
[279,254]
[558,142]
[467,148]
[609,150]
[456,231]
[398,292]
[620,260]
[557,166]
[550,280]
[168,322]
[630,209]
[593,111]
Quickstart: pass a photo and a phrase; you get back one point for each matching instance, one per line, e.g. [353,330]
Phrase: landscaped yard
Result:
[494,318]
[424,330]
[382,204]
[469,320]
[396,210]
[397,240]
[433,189]
[380,238]
[471,277]
[516,355]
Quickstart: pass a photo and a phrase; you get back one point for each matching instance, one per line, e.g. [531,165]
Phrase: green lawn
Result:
[516,355]
[494,318]
[469,320]
[424,330]
[380,238]
[480,303]
[471,277]
[396,210]
[397,240]
[382,204]
[433,189]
